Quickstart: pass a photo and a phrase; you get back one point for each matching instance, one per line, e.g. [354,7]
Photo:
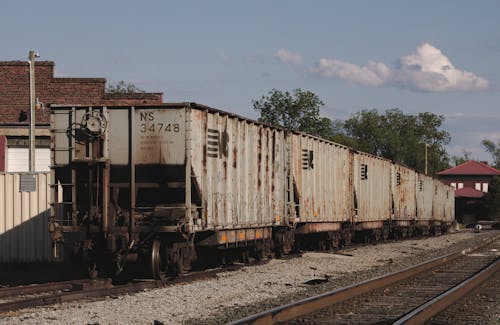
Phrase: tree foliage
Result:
[394,135]
[299,110]
[458,160]
[123,88]
[491,200]
[494,150]
[400,137]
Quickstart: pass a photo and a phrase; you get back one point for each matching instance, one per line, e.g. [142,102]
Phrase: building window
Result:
[485,187]
[454,185]
[460,185]
[478,186]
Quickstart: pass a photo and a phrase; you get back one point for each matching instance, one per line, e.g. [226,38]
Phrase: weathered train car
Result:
[371,193]
[158,181]
[425,193]
[450,207]
[442,217]
[403,196]
[165,184]
[322,192]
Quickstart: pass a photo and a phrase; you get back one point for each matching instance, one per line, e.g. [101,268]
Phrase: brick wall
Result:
[14,91]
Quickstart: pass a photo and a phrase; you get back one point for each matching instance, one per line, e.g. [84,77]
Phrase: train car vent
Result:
[364,171]
[307,159]
[213,143]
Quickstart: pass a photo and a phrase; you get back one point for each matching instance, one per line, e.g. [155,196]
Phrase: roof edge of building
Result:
[24,63]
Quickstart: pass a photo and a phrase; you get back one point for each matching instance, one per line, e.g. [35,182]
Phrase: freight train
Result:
[166,186]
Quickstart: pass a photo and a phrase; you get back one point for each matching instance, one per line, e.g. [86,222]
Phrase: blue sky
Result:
[435,56]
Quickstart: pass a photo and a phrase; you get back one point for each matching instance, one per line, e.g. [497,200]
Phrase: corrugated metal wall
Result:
[425,193]
[24,235]
[240,169]
[372,187]
[403,189]
[438,201]
[321,174]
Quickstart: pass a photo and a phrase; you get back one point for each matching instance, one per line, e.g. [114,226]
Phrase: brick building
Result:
[15,103]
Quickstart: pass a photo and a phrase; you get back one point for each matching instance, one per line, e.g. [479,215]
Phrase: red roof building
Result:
[469,175]
[471,181]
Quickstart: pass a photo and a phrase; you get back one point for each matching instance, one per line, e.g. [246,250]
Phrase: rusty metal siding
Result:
[24,235]
[441,203]
[240,169]
[450,204]
[321,176]
[437,201]
[425,194]
[373,192]
[403,191]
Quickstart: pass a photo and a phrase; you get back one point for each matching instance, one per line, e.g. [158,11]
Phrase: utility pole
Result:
[32,56]
[425,158]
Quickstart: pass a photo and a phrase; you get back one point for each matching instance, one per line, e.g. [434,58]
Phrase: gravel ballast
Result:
[233,295]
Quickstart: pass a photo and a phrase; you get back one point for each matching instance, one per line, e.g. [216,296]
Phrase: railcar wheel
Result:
[158,260]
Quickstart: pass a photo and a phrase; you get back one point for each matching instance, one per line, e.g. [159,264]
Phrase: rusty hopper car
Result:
[425,194]
[403,198]
[155,181]
[322,192]
[441,208]
[371,194]
[170,185]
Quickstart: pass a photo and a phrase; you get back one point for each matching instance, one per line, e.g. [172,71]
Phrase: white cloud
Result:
[374,74]
[285,56]
[426,70]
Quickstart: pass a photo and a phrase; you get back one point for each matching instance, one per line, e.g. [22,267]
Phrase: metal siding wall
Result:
[424,197]
[404,194]
[323,190]
[244,188]
[374,193]
[439,201]
[24,235]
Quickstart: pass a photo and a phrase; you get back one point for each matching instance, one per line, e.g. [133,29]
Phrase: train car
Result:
[155,182]
[424,201]
[321,190]
[442,208]
[403,199]
[169,185]
[371,181]
[449,208]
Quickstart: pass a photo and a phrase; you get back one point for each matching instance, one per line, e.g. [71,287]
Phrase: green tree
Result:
[123,88]
[494,150]
[458,160]
[491,200]
[400,137]
[299,110]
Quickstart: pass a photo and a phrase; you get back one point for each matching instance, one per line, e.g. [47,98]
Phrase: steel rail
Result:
[449,297]
[77,295]
[105,290]
[312,304]
[70,285]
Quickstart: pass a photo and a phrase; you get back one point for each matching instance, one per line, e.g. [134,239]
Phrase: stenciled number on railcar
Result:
[156,126]
[159,127]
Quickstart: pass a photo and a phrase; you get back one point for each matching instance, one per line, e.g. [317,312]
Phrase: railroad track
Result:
[409,296]
[36,295]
